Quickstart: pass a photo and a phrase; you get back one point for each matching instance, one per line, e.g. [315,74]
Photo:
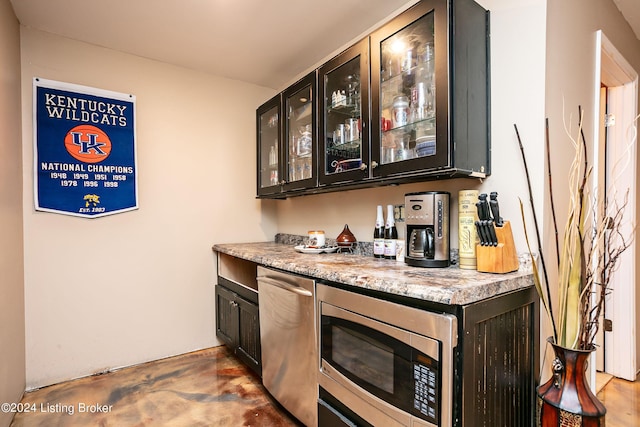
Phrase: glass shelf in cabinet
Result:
[300,156]
[349,145]
[425,124]
[421,64]
[348,104]
[391,81]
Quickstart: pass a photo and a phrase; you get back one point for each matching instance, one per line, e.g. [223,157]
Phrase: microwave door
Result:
[392,369]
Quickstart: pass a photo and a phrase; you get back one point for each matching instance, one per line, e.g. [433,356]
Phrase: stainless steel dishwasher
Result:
[289,342]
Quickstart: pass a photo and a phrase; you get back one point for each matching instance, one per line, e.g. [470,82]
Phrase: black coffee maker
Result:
[427,219]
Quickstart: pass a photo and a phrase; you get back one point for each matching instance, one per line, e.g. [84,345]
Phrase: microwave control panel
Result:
[426,387]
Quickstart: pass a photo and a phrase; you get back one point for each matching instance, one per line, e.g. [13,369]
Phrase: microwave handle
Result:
[286,286]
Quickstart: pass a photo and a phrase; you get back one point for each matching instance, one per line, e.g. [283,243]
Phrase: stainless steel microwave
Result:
[383,363]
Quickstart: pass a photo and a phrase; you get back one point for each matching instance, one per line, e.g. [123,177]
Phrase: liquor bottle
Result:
[378,235]
[390,235]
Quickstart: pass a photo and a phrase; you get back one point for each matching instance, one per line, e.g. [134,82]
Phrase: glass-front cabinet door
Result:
[269,143]
[344,116]
[410,92]
[300,134]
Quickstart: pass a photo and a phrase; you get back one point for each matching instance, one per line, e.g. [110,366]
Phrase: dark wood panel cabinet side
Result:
[500,360]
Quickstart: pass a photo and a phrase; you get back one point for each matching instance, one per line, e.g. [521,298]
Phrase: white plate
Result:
[306,250]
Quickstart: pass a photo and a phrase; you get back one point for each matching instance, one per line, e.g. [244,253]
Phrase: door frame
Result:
[613,71]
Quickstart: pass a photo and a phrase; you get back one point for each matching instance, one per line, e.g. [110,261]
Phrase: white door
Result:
[616,169]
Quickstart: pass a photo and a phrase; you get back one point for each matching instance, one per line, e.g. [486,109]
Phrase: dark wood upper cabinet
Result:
[430,92]
[410,102]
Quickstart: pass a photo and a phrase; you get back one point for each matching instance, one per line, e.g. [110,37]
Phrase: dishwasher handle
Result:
[286,286]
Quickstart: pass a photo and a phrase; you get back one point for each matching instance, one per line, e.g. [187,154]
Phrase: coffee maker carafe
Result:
[427,219]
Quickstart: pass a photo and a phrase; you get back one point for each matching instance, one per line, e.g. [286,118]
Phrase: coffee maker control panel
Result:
[417,213]
[440,219]
[419,210]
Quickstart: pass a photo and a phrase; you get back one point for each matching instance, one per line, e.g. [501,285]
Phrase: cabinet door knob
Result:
[363,167]
[374,164]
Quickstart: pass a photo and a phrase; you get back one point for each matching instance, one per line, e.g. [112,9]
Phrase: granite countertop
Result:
[450,285]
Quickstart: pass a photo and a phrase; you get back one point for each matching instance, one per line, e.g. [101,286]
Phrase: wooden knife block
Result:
[499,259]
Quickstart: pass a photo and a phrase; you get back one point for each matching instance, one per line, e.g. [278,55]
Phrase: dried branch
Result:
[606,247]
[553,205]
[535,221]
[593,244]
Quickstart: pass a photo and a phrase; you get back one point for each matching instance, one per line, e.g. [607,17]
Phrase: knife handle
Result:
[480,212]
[483,207]
[495,209]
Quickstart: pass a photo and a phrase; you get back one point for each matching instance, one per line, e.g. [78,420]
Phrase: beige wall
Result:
[571,47]
[517,97]
[128,288]
[12,363]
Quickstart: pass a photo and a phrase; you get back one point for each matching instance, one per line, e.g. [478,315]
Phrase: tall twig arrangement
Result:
[591,248]
[544,293]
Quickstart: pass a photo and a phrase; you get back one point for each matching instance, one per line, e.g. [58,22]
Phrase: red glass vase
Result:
[566,399]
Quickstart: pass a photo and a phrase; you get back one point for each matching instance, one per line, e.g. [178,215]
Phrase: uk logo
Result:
[88,144]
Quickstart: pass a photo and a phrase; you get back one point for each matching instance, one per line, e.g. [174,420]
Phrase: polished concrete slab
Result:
[204,388]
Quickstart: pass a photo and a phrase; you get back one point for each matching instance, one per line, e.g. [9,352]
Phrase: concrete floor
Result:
[204,388]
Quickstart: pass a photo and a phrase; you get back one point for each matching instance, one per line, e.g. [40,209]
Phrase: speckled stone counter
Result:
[442,285]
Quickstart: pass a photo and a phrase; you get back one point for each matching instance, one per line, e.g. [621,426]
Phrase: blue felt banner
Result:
[84,150]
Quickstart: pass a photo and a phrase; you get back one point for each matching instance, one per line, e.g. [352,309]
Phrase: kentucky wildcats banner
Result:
[85,153]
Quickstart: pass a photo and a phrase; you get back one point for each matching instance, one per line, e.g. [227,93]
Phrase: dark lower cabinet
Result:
[238,326]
